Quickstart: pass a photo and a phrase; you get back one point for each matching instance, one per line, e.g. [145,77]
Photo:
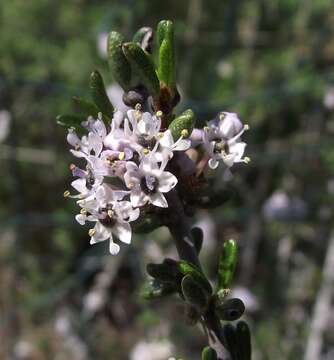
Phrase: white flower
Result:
[148,182]
[221,139]
[225,126]
[86,145]
[167,145]
[112,216]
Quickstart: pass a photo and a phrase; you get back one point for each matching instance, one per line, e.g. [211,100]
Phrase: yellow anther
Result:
[206,128]
[77,147]
[91,232]
[160,135]
[131,185]
[110,213]
[66,194]
[138,107]
[83,211]
[146,151]
[221,116]
[247,160]
[246,127]
[121,155]
[185,133]
[159,113]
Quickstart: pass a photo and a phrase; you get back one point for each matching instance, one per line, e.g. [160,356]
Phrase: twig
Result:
[179,226]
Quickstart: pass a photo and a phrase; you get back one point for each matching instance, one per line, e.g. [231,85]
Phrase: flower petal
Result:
[123,232]
[166,181]
[159,200]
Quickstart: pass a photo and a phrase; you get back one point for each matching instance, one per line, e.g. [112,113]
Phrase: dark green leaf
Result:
[99,94]
[85,107]
[209,354]
[194,293]
[187,268]
[244,341]
[144,37]
[155,290]
[143,66]
[118,63]
[71,121]
[229,310]
[165,272]
[197,235]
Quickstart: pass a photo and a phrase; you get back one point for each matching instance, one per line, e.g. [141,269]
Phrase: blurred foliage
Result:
[270,61]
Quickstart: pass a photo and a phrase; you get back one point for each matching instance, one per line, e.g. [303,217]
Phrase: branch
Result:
[179,227]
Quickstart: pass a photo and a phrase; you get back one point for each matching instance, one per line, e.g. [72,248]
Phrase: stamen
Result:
[221,116]
[246,127]
[206,128]
[160,135]
[77,147]
[185,133]
[247,160]
[66,194]
[83,211]
[138,107]
[110,213]
[91,232]
[146,151]
[121,155]
[159,114]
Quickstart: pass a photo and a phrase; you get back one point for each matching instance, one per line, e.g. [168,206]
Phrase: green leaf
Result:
[165,272]
[230,336]
[165,30]
[194,293]
[187,268]
[166,70]
[99,94]
[229,310]
[119,65]
[144,37]
[143,66]
[155,290]
[209,354]
[227,264]
[244,341]
[71,121]
[197,235]
[183,124]
[85,107]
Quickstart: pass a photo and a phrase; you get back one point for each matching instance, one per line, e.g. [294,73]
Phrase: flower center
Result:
[149,184]
[108,216]
[146,142]
[221,147]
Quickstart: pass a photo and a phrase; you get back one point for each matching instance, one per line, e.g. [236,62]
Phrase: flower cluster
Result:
[128,166]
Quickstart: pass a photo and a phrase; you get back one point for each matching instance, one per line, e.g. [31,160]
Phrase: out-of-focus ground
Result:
[272,62]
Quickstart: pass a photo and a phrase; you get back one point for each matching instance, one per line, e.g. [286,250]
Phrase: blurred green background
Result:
[272,62]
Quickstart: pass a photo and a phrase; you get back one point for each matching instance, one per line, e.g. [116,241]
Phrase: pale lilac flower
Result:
[111,214]
[148,182]
[167,146]
[221,138]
